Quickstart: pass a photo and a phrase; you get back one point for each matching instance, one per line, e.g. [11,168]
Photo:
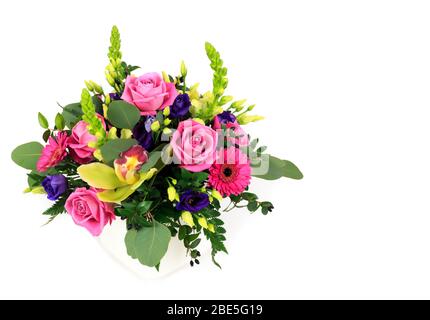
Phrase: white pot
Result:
[112,241]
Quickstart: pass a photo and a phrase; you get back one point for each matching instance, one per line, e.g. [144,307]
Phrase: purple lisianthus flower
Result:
[180,106]
[115,96]
[192,201]
[226,117]
[55,186]
[142,133]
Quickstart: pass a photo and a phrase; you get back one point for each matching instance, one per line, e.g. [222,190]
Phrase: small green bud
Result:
[112,133]
[97,88]
[110,80]
[166,111]
[110,68]
[238,105]
[155,126]
[225,99]
[167,131]
[165,76]
[183,69]
[107,98]
[89,85]
[126,133]
[251,107]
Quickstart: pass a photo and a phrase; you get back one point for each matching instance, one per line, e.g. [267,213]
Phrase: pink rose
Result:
[78,142]
[149,93]
[88,211]
[194,145]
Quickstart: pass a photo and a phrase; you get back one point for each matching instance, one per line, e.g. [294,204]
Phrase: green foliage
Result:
[154,160]
[42,121]
[112,148]
[135,213]
[72,113]
[217,242]
[27,155]
[191,180]
[130,239]
[57,208]
[59,122]
[148,244]
[95,126]
[46,134]
[253,203]
[279,168]
[220,80]
[34,179]
[123,115]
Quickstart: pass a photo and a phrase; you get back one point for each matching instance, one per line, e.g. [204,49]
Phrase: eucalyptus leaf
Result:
[72,114]
[111,149]
[123,115]
[27,155]
[154,158]
[130,238]
[279,168]
[144,206]
[151,243]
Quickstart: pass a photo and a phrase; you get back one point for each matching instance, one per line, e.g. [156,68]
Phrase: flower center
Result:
[228,173]
[80,207]
[197,140]
[148,83]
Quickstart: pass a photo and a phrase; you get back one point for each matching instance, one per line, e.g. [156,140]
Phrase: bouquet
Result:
[155,152]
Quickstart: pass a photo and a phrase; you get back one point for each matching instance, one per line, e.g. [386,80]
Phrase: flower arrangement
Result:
[154,152]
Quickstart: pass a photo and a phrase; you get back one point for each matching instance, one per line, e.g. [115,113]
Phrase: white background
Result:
[344,86]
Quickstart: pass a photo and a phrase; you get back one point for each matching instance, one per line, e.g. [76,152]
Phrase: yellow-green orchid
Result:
[119,183]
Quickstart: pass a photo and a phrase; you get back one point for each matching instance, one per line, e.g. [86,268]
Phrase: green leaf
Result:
[42,121]
[72,114]
[194,244]
[153,158]
[253,206]
[59,122]
[151,244]
[98,104]
[35,179]
[183,230]
[281,168]
[46,135]
[144,206]
[130,239]
[217,222]
[193,237]
[123,115]
[27,155]
[111,149]
[57,208]
[248,196]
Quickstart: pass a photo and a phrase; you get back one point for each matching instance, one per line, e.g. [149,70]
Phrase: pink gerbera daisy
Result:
[231,173]
[54,152]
